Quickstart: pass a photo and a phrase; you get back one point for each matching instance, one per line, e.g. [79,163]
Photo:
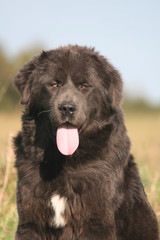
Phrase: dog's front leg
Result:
[99,232]
[28,232]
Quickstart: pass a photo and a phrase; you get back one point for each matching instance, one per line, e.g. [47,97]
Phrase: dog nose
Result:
[67,108]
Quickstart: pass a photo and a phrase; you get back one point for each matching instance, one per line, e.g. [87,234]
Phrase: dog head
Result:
[75,85]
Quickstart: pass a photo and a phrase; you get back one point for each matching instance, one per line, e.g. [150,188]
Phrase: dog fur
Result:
[96,193]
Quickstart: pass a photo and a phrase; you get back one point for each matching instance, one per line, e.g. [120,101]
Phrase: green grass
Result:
[144,132]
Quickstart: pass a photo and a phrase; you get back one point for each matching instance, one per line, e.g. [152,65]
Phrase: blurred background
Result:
[127,33]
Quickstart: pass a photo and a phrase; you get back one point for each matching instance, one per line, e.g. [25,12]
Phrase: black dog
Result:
[76,177]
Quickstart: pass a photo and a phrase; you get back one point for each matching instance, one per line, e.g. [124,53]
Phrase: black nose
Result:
[67,108]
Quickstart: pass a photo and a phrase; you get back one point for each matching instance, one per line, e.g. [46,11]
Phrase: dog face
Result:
[74,84]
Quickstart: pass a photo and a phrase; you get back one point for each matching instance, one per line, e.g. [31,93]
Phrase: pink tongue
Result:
[67,139]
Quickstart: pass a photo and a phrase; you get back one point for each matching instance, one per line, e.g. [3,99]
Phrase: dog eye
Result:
[54,84]
[83,86]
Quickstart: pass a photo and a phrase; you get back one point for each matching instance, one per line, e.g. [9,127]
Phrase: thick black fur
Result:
[105,196]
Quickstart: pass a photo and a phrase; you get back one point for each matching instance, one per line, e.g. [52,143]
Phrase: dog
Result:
[77,179]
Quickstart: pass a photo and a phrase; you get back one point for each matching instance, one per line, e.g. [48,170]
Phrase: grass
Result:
[144,131]
[10,123]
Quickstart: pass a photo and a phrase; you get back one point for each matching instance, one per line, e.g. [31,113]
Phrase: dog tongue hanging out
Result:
[67,139]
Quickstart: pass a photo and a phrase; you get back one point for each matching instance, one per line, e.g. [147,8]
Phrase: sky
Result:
[126,32]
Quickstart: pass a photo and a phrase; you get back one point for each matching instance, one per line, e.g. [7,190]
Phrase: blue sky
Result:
[126,32]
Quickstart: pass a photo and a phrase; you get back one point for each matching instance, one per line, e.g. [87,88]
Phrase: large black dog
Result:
[76,177]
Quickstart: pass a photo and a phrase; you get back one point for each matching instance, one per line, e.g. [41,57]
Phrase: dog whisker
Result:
[43,112]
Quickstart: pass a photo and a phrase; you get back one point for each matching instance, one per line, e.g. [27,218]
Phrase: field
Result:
[144,131]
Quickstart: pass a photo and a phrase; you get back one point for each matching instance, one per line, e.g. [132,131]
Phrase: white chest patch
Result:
[59,205]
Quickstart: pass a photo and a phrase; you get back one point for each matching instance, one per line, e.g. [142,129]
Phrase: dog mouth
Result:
[66,134]
[67,138]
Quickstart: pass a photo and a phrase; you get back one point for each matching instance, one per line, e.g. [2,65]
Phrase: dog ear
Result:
[23,82]
[115,88]
[25,77]
[111,79]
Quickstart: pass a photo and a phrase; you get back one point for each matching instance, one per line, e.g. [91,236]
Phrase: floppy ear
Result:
[23,82]
[111,79]
[25,77]
[115,88]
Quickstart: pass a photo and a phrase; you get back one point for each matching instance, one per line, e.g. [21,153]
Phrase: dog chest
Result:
[59,206]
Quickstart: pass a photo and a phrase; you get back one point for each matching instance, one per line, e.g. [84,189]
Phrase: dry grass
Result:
[10,123]
[144,131]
